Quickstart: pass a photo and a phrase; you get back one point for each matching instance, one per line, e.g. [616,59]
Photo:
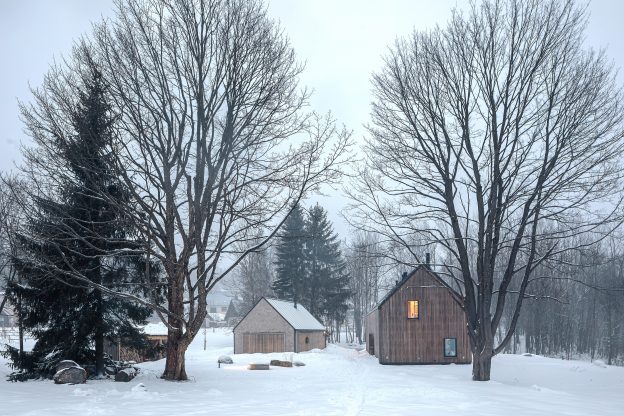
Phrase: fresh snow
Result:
[335,381]
[297,316]
[157,328]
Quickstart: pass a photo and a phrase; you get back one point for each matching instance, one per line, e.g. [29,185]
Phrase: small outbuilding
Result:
[419,322]
[156,334]
[278,326]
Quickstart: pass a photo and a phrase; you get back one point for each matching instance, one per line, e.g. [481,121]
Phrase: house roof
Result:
[299,318]
[216,316]
[155,329]
[406,278]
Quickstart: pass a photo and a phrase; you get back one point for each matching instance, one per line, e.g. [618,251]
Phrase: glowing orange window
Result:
[412,309]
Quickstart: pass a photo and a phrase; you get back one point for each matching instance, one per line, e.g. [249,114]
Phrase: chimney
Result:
[428,260]
[404,276]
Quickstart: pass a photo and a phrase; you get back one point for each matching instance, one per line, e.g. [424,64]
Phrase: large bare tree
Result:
[213,137]
[494,139]
[7,218]
[364,264]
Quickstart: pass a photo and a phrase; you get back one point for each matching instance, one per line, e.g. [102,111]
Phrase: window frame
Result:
[417,309]
[444,347]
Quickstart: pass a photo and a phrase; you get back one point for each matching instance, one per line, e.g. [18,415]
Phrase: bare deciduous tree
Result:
[364,260]
[252,278]
[13,197]
[212,137]
[494,138]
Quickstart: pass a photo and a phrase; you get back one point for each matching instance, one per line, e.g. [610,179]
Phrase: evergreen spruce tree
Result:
[79,232]
[290,279]
[327,276]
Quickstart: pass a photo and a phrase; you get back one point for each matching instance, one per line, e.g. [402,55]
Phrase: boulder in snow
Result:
[71,375]
[66,364]
[279,363]
[299,363]
[599,363]
[225,359]
[125,375]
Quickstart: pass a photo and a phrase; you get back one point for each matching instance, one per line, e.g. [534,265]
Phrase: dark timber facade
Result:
[418,322]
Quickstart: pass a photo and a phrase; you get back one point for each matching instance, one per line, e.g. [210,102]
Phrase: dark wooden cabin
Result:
[418,322]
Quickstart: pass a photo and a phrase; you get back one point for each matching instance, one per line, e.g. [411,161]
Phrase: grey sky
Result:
[341,42]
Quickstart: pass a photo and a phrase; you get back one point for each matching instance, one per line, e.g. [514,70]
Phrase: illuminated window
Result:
[450,347]
[412,309]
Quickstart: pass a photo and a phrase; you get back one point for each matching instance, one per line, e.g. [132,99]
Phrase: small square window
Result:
[412,309]
[450,347]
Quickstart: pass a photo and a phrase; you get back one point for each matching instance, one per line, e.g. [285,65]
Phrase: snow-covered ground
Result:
[335,381]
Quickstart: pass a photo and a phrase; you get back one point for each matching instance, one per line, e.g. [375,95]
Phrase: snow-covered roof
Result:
[298,317]
[155,329]
[216,316]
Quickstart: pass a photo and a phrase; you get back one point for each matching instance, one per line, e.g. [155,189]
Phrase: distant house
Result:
[418,322]
[278,326]
[7,315]
[156,334]
[7,319]
[218,302]
[233,315]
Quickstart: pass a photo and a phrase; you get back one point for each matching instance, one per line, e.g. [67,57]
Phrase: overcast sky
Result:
[341,41]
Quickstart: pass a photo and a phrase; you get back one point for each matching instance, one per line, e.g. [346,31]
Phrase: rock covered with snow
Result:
[125,375]
[280,363]
[71,375]
[298,363]
[225,359]
[66,364]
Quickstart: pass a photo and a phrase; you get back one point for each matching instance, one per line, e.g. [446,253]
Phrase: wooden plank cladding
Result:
[264,342]
[418,322]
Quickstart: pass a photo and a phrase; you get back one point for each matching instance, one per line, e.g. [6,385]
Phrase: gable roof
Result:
[452,291]
[298,318]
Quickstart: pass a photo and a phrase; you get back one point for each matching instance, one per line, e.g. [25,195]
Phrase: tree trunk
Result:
[21,340]
[174,365]
[99,337]
[357,318]
[483,351]
[176,343]
[99,352]
[20,324]
[481,365]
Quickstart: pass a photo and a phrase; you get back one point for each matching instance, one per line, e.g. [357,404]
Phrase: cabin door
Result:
[371,344]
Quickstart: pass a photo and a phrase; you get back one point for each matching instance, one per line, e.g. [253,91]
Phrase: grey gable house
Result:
[278,326]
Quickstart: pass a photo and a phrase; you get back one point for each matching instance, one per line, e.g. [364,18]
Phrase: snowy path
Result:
[336,381]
